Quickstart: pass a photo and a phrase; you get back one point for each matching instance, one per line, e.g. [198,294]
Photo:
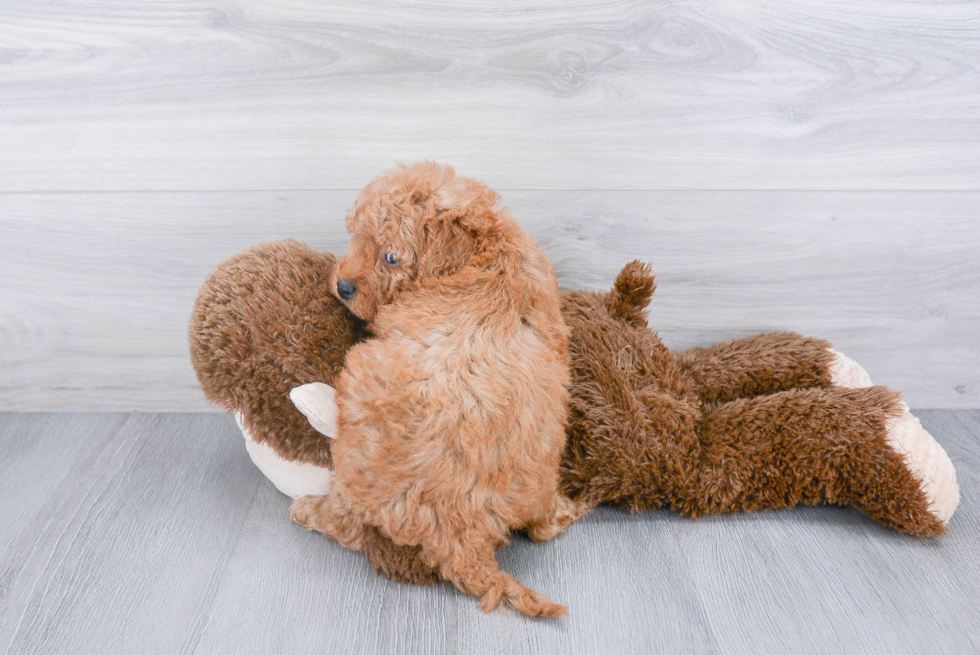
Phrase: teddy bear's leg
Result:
[856,447]
[333,516]
[928,462]
[760,365]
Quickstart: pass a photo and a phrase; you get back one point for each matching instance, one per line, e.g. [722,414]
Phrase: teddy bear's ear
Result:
[631,294]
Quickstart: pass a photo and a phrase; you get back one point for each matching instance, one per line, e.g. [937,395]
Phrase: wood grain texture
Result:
[153,533]
[28,440]
[955,585]
[96,288]
[826,579]
[126,553]
[291,590]
[299,94]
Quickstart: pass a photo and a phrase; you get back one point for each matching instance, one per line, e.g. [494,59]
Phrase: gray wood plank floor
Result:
[127,533]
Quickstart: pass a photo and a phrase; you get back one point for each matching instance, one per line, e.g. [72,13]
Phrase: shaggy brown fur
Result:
[756,366]
[744,425]
[705,431]
[451,419]
[263,324]
[639,435]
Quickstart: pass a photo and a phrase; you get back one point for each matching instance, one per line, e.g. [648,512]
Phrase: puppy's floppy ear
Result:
[448,238]
[445,246]
[469,202]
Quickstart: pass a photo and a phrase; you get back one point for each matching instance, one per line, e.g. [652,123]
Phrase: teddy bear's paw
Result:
[927,461]
[317,403]
[846,373]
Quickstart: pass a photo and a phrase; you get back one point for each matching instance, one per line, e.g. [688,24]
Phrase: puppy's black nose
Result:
[346,289]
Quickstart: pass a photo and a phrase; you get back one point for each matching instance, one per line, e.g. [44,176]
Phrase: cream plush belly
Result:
[294,479]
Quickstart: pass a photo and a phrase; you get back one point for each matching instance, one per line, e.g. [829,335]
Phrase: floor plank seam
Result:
[50,564]
[191,648]
[702,604]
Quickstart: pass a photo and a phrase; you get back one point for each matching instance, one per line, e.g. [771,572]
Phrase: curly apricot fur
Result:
[451,419]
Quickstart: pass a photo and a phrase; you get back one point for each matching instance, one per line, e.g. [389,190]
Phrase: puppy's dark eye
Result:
[390,259]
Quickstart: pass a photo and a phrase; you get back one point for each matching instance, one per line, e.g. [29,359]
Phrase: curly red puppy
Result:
[452,418]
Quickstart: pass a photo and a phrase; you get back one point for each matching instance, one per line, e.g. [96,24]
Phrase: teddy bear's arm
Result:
[317,403]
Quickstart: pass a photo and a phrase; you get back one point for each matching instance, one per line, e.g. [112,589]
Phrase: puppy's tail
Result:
[526,601]
[475,571]
[631,294]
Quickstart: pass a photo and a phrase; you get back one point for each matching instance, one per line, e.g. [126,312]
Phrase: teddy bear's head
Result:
[264,323]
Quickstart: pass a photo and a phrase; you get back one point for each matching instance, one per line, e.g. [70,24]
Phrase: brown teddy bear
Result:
[766,422]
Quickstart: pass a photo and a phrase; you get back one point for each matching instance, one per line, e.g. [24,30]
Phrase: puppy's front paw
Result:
[305,509]
[567,512]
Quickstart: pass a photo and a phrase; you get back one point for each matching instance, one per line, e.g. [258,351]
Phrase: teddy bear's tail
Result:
[634,287]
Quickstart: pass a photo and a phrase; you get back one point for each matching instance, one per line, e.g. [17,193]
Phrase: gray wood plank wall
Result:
[812,166]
